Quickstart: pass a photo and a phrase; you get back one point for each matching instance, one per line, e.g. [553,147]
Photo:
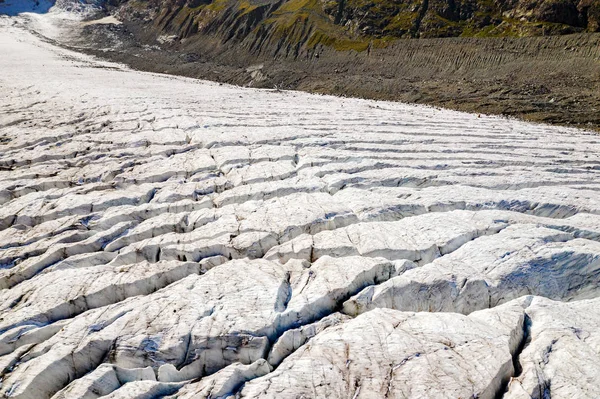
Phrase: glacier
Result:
[167,237]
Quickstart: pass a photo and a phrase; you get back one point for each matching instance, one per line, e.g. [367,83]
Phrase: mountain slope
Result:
[296,25]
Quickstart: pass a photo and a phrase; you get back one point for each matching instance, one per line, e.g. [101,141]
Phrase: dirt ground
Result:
[554,79]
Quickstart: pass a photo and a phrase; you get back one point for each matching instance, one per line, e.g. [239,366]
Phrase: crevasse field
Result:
[162,237]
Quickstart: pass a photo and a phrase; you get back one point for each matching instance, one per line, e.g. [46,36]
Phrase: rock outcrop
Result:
[296,28]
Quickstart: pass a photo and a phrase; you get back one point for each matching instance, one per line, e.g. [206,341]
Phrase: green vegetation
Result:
[304,22]
[245,7]
[402,22]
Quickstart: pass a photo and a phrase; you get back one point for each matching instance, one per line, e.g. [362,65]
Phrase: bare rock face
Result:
[289,28]
[165,237]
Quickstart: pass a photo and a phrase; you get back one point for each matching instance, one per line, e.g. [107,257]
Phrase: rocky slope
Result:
[301,26]
[167,237]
